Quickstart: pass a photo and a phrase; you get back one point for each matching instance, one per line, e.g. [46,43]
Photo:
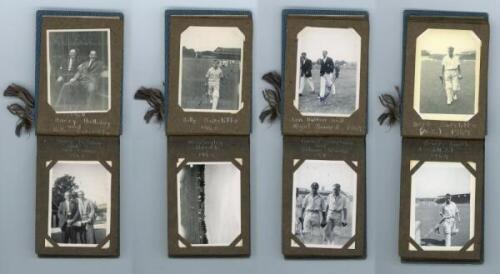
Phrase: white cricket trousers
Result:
[302,84]
[325,82]
[213,92]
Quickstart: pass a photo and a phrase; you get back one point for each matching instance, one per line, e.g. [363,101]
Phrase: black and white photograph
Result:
[328,71]
[324,207]
[79,204]
[442,205]
[209,203]
[447,74]
[210,69]
[78,70]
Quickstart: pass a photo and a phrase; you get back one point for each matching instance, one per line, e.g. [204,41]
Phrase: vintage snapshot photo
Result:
[447,67]
[323,214]
[211,69]
[442,200]
[325,203]
[209,209]
[208,196]
[78,70]
[325,72]
[328,74]
[445,74]
[208,72]
[79,203]
[77,196]
[442,205]
[79,73]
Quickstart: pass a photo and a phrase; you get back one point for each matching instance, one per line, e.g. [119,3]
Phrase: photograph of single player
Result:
[78,71]
[328,71]
[209,203]
[447,65]
[79,203]
[442,205]
[210,69]
[324,207]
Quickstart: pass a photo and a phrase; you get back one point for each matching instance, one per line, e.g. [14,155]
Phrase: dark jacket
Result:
[65,71]
[66,214]
[327,66]
[305,68]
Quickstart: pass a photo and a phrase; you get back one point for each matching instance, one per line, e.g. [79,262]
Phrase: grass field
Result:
[433,96]
[343,102]
[194,89]
[428,215]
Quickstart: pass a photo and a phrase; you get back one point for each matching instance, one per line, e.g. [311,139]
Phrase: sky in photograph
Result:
[341,43]
[209,38]
[437,41]
[326,174]
[435,179]
[90,176]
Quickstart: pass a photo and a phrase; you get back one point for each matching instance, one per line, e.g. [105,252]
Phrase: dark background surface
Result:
[143,147]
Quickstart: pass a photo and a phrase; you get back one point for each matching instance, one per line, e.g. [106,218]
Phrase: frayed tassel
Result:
[272,97]
[24,112]
[154,97]
[392,107]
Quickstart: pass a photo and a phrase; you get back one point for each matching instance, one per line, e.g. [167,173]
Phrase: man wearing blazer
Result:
[326,75]
[305,73]
[65,71]
[68,215]
[86,209]
[67,68]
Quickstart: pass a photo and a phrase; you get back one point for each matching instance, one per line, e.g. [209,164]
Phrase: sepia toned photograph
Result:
[324,207]
[79,203]
[442,205]
[328,71]
[78,70]
[210,69]
[209,203]
[447,74]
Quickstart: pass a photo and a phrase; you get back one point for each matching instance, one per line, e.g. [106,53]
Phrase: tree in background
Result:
[188,52]
[62,185]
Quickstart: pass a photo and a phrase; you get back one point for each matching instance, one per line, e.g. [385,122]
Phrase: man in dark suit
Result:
[68,215]
[65,71]
[305,73]
[326,75]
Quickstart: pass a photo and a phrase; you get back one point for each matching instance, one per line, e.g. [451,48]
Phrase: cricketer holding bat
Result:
[313,215]
[214,76]
[450,215]
[451,75]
